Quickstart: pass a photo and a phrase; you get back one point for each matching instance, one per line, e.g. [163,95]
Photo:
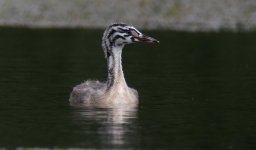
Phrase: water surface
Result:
[197,91]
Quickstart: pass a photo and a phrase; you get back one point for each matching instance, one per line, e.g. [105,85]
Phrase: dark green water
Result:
[197,91]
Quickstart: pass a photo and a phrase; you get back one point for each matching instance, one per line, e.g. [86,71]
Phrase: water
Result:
[197,91]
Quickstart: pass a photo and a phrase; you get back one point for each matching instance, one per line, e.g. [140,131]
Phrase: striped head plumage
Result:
[120,34]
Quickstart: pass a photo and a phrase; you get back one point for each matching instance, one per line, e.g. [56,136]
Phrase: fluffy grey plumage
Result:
[115,91]
[89,90]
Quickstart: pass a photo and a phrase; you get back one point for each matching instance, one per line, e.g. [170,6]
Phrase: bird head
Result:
[120,34]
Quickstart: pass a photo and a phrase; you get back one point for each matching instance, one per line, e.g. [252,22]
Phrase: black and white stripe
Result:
[116,35]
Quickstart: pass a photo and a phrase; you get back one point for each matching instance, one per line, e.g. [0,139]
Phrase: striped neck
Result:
[115,71]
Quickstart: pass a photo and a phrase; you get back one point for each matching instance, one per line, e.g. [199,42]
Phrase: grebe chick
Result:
[115,91]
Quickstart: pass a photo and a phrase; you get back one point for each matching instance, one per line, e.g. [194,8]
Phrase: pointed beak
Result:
[146,39]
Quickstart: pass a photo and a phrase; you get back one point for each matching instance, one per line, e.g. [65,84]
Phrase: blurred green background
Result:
[188,15]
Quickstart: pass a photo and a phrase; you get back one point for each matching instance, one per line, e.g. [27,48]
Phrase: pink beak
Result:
[147,39]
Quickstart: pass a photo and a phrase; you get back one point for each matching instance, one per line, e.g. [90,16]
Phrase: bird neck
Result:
[115,71]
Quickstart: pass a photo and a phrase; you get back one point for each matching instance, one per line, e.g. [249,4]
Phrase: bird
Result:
[115,91]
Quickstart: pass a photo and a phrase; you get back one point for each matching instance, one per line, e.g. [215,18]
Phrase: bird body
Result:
[115,91]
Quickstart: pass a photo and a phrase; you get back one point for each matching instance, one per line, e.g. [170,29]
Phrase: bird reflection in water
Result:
[114,126]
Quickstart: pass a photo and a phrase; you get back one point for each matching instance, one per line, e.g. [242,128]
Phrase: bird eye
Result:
[128,31]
